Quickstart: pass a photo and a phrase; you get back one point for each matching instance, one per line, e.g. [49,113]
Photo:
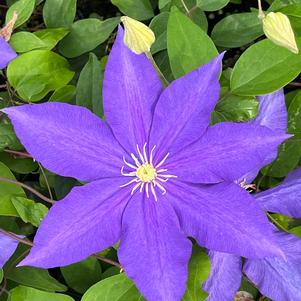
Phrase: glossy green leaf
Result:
[263,68]
[278,4]
[23,8]
[199,268]
[18,164]
[237,30]
[85,35]
[211,5]
[82,275]
[235,108]
[137,9]
[117,288]
[29,211]
[64,94]
[59,13]
[34,74]
[188,46]
[36,278]
[23,293]
[8,138]
[89,86]
[51,36]
[159,26]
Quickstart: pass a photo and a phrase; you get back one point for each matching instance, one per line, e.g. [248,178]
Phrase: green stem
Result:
[161,75]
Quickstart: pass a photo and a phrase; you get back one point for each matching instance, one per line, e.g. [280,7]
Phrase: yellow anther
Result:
[146,173]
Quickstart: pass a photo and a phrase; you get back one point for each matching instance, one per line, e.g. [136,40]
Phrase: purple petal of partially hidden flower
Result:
[68,140]
[153,249]
[184,109]
[225,276]
[131,89]
[87,221]
[223,217]
[272,114]
[7,54]
[227,151]
[277,278]
[7,248]
[284,198]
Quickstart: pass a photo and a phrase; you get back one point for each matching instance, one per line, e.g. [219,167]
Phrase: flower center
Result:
[146,176]
[146,172]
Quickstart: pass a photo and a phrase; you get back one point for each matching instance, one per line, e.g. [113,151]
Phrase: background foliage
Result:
[63,47]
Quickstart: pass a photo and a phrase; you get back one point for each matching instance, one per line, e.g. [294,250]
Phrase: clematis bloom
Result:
[276,278]
[158,173]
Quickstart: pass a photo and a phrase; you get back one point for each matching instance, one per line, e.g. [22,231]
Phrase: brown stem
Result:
[109,261]
[38,194]
[17,153]
[294,84]
[16,237]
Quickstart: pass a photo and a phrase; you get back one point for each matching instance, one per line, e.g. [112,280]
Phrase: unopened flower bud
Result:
[7,30]
[137,36]
[278,29]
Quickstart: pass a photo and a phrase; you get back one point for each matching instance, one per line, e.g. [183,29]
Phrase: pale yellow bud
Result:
[7,31]
[278,29]
[137,36]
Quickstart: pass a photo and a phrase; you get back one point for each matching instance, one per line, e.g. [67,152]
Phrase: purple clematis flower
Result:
[149,166]
[276,278]
[7,248]
[7,54]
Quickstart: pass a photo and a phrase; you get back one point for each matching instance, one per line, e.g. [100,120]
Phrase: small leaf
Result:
[34,74]
[1,275]
[64,94]
[24,41]
[85,35]
[22,293]
[188,46]
[263,68]
[137,9]
[36,278]
[80,276]
[117,288]
[50,37]
[8,138]
[89,86]
[29,211]
[23,8]
[211,5]
[59,13]
[159,26]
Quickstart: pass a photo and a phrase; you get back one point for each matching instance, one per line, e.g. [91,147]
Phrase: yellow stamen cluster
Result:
[146,173]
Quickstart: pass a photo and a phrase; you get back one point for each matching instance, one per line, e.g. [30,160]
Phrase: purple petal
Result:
[272,111]
[87,221]
[227,151]
[7,248]
[284,198]
[277,278]
[223,217]
[272,114]
[68,140]
[7,53]
[153,249]
[130,90]
[225,276]
[184,108]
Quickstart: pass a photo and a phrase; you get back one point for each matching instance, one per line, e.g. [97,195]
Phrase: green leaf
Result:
[64,94]
[36,278]
[199,268]
[235,108]
[24,9]
[263,68]
[50,37]
[1,275]
[237,30]
[89,86]
[117,288]
[159,26]
[211,5]
[59,13]
[85,35]
[188,46]
[296,231]
[137,9]
[22,293]
[29,211]
[82,275]
[24,41]
[8,138]
[34,74]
